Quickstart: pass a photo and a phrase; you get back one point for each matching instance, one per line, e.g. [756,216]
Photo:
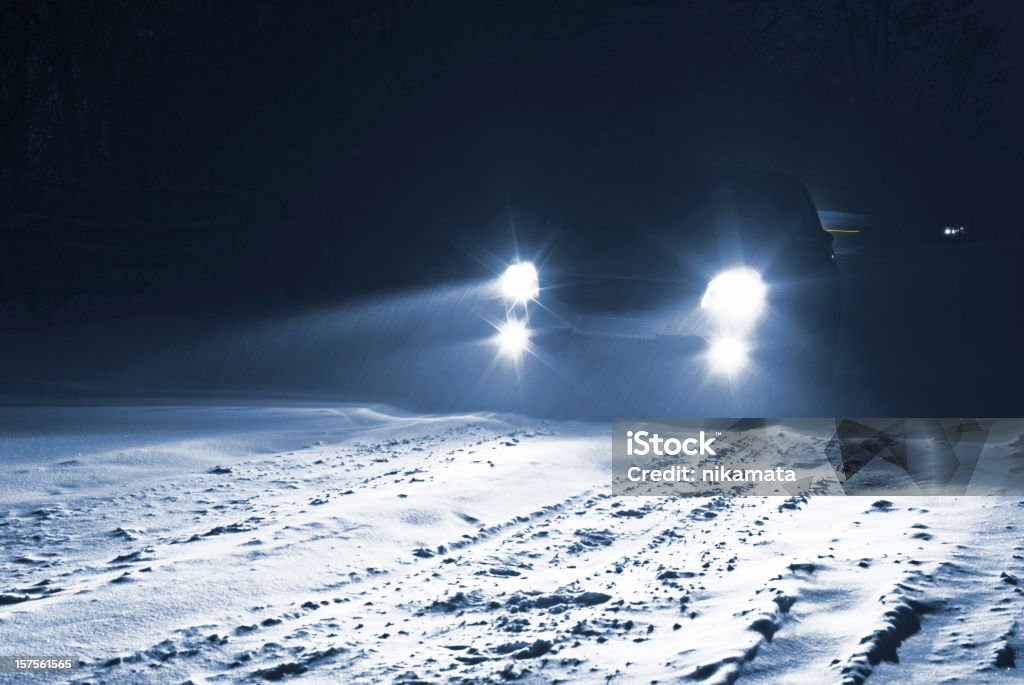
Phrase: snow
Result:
[339,543]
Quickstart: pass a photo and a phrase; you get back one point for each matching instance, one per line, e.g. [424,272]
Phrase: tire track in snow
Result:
[195,645]
[910,592]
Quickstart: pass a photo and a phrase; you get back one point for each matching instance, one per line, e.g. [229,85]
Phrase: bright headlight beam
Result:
[520,282]
[728,355]
[736,293]
[513,337]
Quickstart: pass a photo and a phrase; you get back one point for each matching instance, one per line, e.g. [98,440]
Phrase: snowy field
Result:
[298,543]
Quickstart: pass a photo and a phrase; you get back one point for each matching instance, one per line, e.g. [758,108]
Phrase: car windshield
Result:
[689,205]
[627,222]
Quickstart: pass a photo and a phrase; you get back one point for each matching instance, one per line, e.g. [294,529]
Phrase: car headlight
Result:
[520,282]
[513,337]
[735,294]
[728,355]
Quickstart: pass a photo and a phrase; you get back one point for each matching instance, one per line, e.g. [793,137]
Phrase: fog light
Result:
[520,283]
[728,355]
[513,337]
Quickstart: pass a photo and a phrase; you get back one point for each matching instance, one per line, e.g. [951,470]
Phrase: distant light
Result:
[949,231]
[520,282]
[513,337]
[728,355]
[735,294]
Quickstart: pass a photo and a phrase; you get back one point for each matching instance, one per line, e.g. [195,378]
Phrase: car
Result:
[729,266]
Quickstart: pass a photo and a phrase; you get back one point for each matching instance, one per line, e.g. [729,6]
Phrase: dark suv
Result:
[732,265]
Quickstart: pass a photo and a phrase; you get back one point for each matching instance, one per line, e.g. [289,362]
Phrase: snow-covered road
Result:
[342,544]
